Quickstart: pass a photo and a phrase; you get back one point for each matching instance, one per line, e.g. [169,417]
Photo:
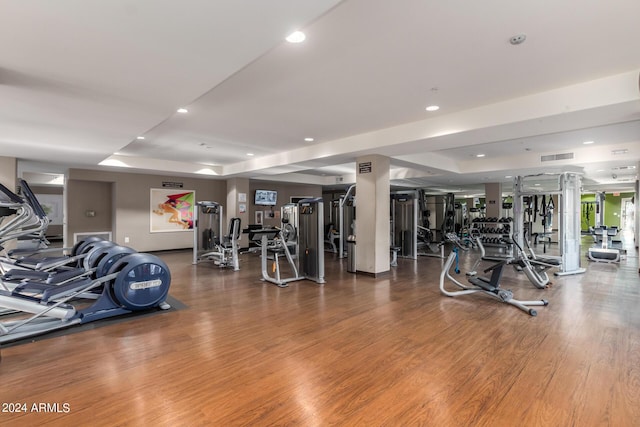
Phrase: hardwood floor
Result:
[358,351]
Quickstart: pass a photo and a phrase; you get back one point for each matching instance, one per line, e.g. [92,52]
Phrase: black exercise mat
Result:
[174,303]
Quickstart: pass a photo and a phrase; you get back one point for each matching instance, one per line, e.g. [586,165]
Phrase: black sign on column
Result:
[364,167]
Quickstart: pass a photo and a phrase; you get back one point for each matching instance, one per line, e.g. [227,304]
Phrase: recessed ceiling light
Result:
[139,137]
[309,139]
[480,155]
[600,170]
[182,110]
[508,176]
[250,154]
[618,152]
[296,37]
[432,108]
[588,142]
[537,185]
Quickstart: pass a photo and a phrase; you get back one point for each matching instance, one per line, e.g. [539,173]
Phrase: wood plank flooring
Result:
[358,351]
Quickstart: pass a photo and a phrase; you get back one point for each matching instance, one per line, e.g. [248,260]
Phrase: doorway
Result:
[627,214]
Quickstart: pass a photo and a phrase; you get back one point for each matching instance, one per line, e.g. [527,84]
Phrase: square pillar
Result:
[493,197]
[9,172]
[372,214]
[237,205]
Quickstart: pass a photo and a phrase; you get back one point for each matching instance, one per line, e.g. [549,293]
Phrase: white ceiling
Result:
[80,80]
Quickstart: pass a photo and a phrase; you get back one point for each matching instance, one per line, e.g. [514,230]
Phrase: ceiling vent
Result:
[623,168]
[552,157]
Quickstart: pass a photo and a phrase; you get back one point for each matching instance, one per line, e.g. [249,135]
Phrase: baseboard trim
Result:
[374,275]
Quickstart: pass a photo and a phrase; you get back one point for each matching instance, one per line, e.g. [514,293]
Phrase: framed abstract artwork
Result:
[171,210]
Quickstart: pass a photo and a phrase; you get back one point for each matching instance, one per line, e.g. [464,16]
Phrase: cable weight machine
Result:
[569,235]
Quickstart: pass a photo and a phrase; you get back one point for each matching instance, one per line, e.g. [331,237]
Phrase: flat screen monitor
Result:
[266,197]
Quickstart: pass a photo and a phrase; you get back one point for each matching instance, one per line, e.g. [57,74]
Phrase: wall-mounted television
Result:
[266,197]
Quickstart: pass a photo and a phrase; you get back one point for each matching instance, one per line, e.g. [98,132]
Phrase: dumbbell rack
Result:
[495,233]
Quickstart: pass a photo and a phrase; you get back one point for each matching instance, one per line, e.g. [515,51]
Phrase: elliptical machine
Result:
[482,285]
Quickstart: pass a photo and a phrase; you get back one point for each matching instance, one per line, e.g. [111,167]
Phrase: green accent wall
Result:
[612,206]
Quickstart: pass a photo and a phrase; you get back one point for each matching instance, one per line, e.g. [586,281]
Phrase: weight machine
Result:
[273,246]
[207,245]
[404,223]
[437,222]
[331,230]
[289,222]
[602,249]
[310,240]
[568,192]
[306,242]
[346,219]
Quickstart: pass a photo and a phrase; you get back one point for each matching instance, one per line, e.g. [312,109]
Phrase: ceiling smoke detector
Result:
[518,39]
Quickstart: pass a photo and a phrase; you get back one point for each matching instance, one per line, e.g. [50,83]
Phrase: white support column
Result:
[493,197]
[9,172]
[237,195]
[518,212]
[372,218]
[570,236]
